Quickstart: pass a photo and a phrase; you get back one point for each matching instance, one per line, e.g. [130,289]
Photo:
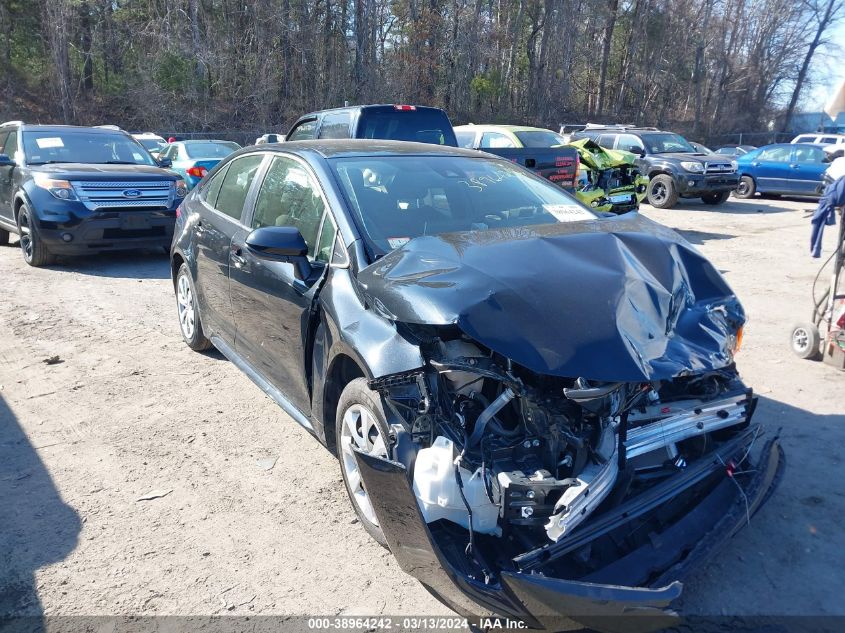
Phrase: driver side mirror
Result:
[281,244]
[635,149]
[5,161]
[165,162]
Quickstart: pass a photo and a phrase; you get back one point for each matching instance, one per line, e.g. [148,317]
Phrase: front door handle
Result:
[237,259]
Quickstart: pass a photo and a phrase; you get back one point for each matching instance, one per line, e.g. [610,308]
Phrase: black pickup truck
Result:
[674,167]
[70,190]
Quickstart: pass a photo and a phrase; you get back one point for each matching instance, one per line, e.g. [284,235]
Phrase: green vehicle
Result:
[610,179]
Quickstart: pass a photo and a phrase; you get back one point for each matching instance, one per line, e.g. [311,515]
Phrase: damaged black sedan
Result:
[535,408]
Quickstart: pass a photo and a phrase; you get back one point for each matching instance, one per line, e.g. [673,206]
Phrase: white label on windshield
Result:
[46,143]
[396,242]
[568,212]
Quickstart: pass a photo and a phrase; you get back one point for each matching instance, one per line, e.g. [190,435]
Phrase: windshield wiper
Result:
[48,162]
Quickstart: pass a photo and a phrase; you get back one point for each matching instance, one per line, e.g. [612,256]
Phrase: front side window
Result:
[540,138]
[236,184]
[80,146]
[336,125]
[809,154]
[777,154]
[667,143]
[304,131]
[290,197]
[628,142]
[10,147]
[397,198]
[805,139]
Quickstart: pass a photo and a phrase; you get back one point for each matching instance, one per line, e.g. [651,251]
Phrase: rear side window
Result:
[421,126]
[805,139]
[335,125]
[212,187]
[304,131]
[236,184]
[495,140]
[828,139]
[465,139]
[210,149]
[606,140]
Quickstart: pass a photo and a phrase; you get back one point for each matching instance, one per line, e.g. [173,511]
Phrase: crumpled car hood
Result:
[615,299]
[596,157]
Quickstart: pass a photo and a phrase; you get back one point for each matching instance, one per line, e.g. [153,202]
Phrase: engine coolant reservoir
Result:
[438,493]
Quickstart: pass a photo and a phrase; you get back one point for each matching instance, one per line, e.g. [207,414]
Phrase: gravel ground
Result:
[250,515]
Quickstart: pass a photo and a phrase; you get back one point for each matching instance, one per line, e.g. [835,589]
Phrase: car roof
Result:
[371,106]
[33,127]
[348,148]
[493,126]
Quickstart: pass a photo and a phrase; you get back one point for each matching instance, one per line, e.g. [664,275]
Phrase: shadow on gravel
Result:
[36,527]
[789,560]
[123,264]
[744,207]
[700,237]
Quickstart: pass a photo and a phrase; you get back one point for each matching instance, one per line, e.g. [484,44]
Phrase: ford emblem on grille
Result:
[131,193]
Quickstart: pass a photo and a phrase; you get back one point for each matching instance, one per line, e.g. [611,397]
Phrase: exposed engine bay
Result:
[610,180]
[505,452]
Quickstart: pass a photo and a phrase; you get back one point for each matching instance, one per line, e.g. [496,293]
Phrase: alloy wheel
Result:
[360,430]
[185,303]
[658,192]
[800,340]
[26,236]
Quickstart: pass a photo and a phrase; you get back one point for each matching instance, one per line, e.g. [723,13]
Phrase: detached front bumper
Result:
[603,603]
[694,185]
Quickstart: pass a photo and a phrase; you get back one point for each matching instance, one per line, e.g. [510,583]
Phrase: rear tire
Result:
[715,198]
[34,252]
[805,341]
[362,423]
[662,192]
[187,307]
[746,188]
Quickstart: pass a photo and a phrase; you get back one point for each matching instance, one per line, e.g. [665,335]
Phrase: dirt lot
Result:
[131,411]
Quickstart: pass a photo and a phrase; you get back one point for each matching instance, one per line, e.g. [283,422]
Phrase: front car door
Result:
[807,169]
[771,170]
[272,307]
[9,146]
[223,198]
[496,140]
[304,130]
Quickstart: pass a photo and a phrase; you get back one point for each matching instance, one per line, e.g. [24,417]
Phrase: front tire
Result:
[662,192]
[33,249]
[361,423]
[715,198]
[746,188]
[188,311]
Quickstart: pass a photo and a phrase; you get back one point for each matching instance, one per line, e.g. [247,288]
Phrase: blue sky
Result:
[828,69]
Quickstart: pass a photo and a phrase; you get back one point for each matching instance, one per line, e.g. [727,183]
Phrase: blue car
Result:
[193,159]
[782,169]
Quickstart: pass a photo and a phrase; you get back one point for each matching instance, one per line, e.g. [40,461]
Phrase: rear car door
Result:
[272,307]
[223,199]
[807,169]
[771,169]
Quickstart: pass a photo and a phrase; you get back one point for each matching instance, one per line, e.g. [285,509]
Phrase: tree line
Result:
[703,66]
